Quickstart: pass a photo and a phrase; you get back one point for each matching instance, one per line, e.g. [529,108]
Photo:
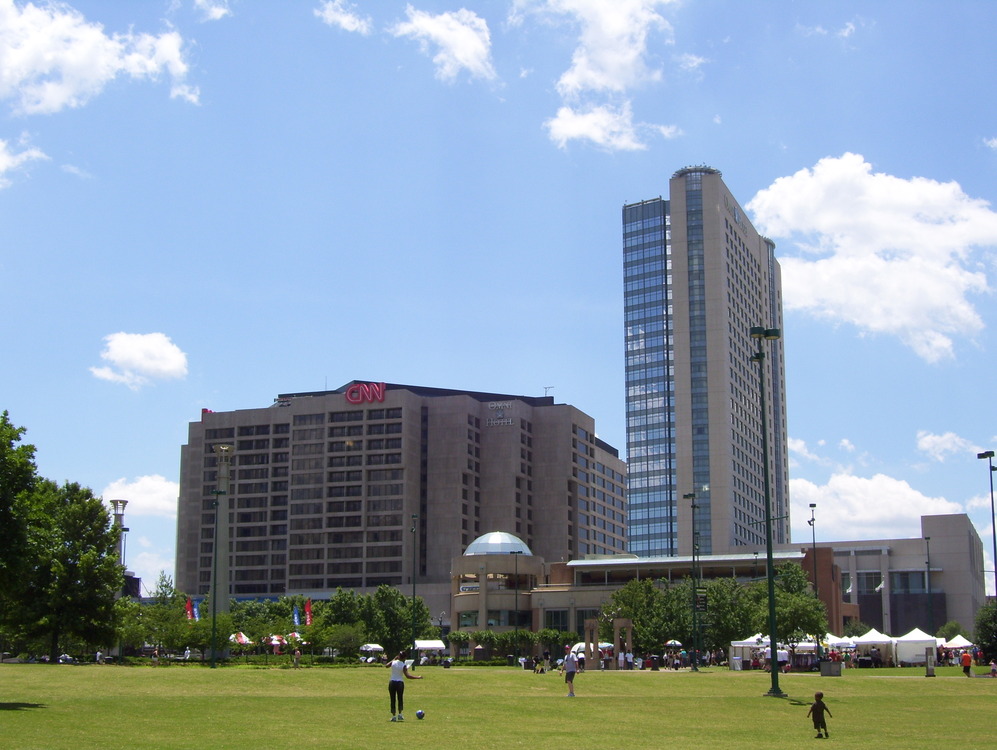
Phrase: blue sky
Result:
[205,204]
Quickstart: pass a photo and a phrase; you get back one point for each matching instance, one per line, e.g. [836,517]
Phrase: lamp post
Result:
[415,549]
[221,490]
[515,615]
[694,651]
[927,582]
[761,334]
[813,552]
[812,523]
[989,455]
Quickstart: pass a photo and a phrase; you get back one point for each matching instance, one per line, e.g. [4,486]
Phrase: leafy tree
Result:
[342,609]
[166,616]
[855,627]
[73,573]
[650,608]
[986,630]
[949,630]
[728,615]
[17,480]
[346,639]
[131,625]
[798,612]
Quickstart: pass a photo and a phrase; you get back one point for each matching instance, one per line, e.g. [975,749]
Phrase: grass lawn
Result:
[189,706]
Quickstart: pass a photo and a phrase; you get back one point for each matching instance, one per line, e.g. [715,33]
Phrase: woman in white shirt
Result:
[396,684]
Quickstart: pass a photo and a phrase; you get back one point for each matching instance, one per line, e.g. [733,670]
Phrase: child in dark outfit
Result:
[817,712]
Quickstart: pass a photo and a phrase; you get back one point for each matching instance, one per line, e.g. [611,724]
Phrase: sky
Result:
[204,204]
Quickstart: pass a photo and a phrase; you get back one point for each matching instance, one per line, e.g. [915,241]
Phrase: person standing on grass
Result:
[816,712]
[967,662]
[570,667]
[396,684]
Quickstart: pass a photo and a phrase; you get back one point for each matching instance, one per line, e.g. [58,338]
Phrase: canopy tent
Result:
[910,648]
[834,641]
[430,645]
[372,647]
[958,642]
[579,648]
[241,638]
[874,639]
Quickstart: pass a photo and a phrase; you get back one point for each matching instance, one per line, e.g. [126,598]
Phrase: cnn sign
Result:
[365,393]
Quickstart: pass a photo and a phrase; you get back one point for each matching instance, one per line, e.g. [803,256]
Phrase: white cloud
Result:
[799,447]
[213,10]
[461,40]
[691,63]
[343,14]
[51,57]
[611,54]
[610,58]
[148,564]
[605,126]
[151,495]
[939,447]
[886,254]
[138,358]
[851,507]
[846,445]
[991,143]
[10,161]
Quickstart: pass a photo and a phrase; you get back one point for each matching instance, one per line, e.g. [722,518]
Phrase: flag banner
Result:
[297,617]
[197,612]
[190,609]
[308,612]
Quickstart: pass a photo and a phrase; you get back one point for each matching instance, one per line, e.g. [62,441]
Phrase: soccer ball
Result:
[420,714]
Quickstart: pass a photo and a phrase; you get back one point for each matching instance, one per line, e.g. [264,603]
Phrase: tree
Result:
[17,479]
[166,616]
[651,610]
[855,627]
[986,630]
[728,615]
[73,574]
[798,612]
[949,630]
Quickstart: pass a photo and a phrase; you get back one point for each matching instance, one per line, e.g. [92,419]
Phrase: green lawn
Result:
[189,706]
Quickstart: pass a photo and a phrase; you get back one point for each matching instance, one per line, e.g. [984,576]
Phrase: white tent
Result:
[911,647]
[430,645]
[372,647]
[884,643]
[958,642]
[834,641]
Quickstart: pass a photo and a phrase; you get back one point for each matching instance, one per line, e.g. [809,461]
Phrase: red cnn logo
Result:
[360,393]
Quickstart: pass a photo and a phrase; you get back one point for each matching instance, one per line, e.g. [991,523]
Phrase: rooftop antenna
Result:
[547,389]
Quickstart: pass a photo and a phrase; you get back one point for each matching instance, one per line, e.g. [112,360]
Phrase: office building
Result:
[697,278]
[370,483]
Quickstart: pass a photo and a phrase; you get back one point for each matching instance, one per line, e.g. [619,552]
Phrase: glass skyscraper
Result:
[697,278]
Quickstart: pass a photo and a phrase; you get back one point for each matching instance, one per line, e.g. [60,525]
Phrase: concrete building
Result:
[697,278]
[882,583]
[896,590]
[372,482]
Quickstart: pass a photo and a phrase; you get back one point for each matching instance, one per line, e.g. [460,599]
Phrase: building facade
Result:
[902,584]
[373,483]
[697,279]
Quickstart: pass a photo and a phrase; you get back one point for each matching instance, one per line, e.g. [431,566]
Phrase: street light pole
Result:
[415,568]
[813,551]
[813,528]
[694,651]
[927,581]
[989,455]
[220,492]
[515,614]
[768,334]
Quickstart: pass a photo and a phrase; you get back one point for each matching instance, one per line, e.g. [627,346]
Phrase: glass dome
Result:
[497,543]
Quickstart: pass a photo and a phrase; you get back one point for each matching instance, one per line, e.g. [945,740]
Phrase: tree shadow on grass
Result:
[20,706]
